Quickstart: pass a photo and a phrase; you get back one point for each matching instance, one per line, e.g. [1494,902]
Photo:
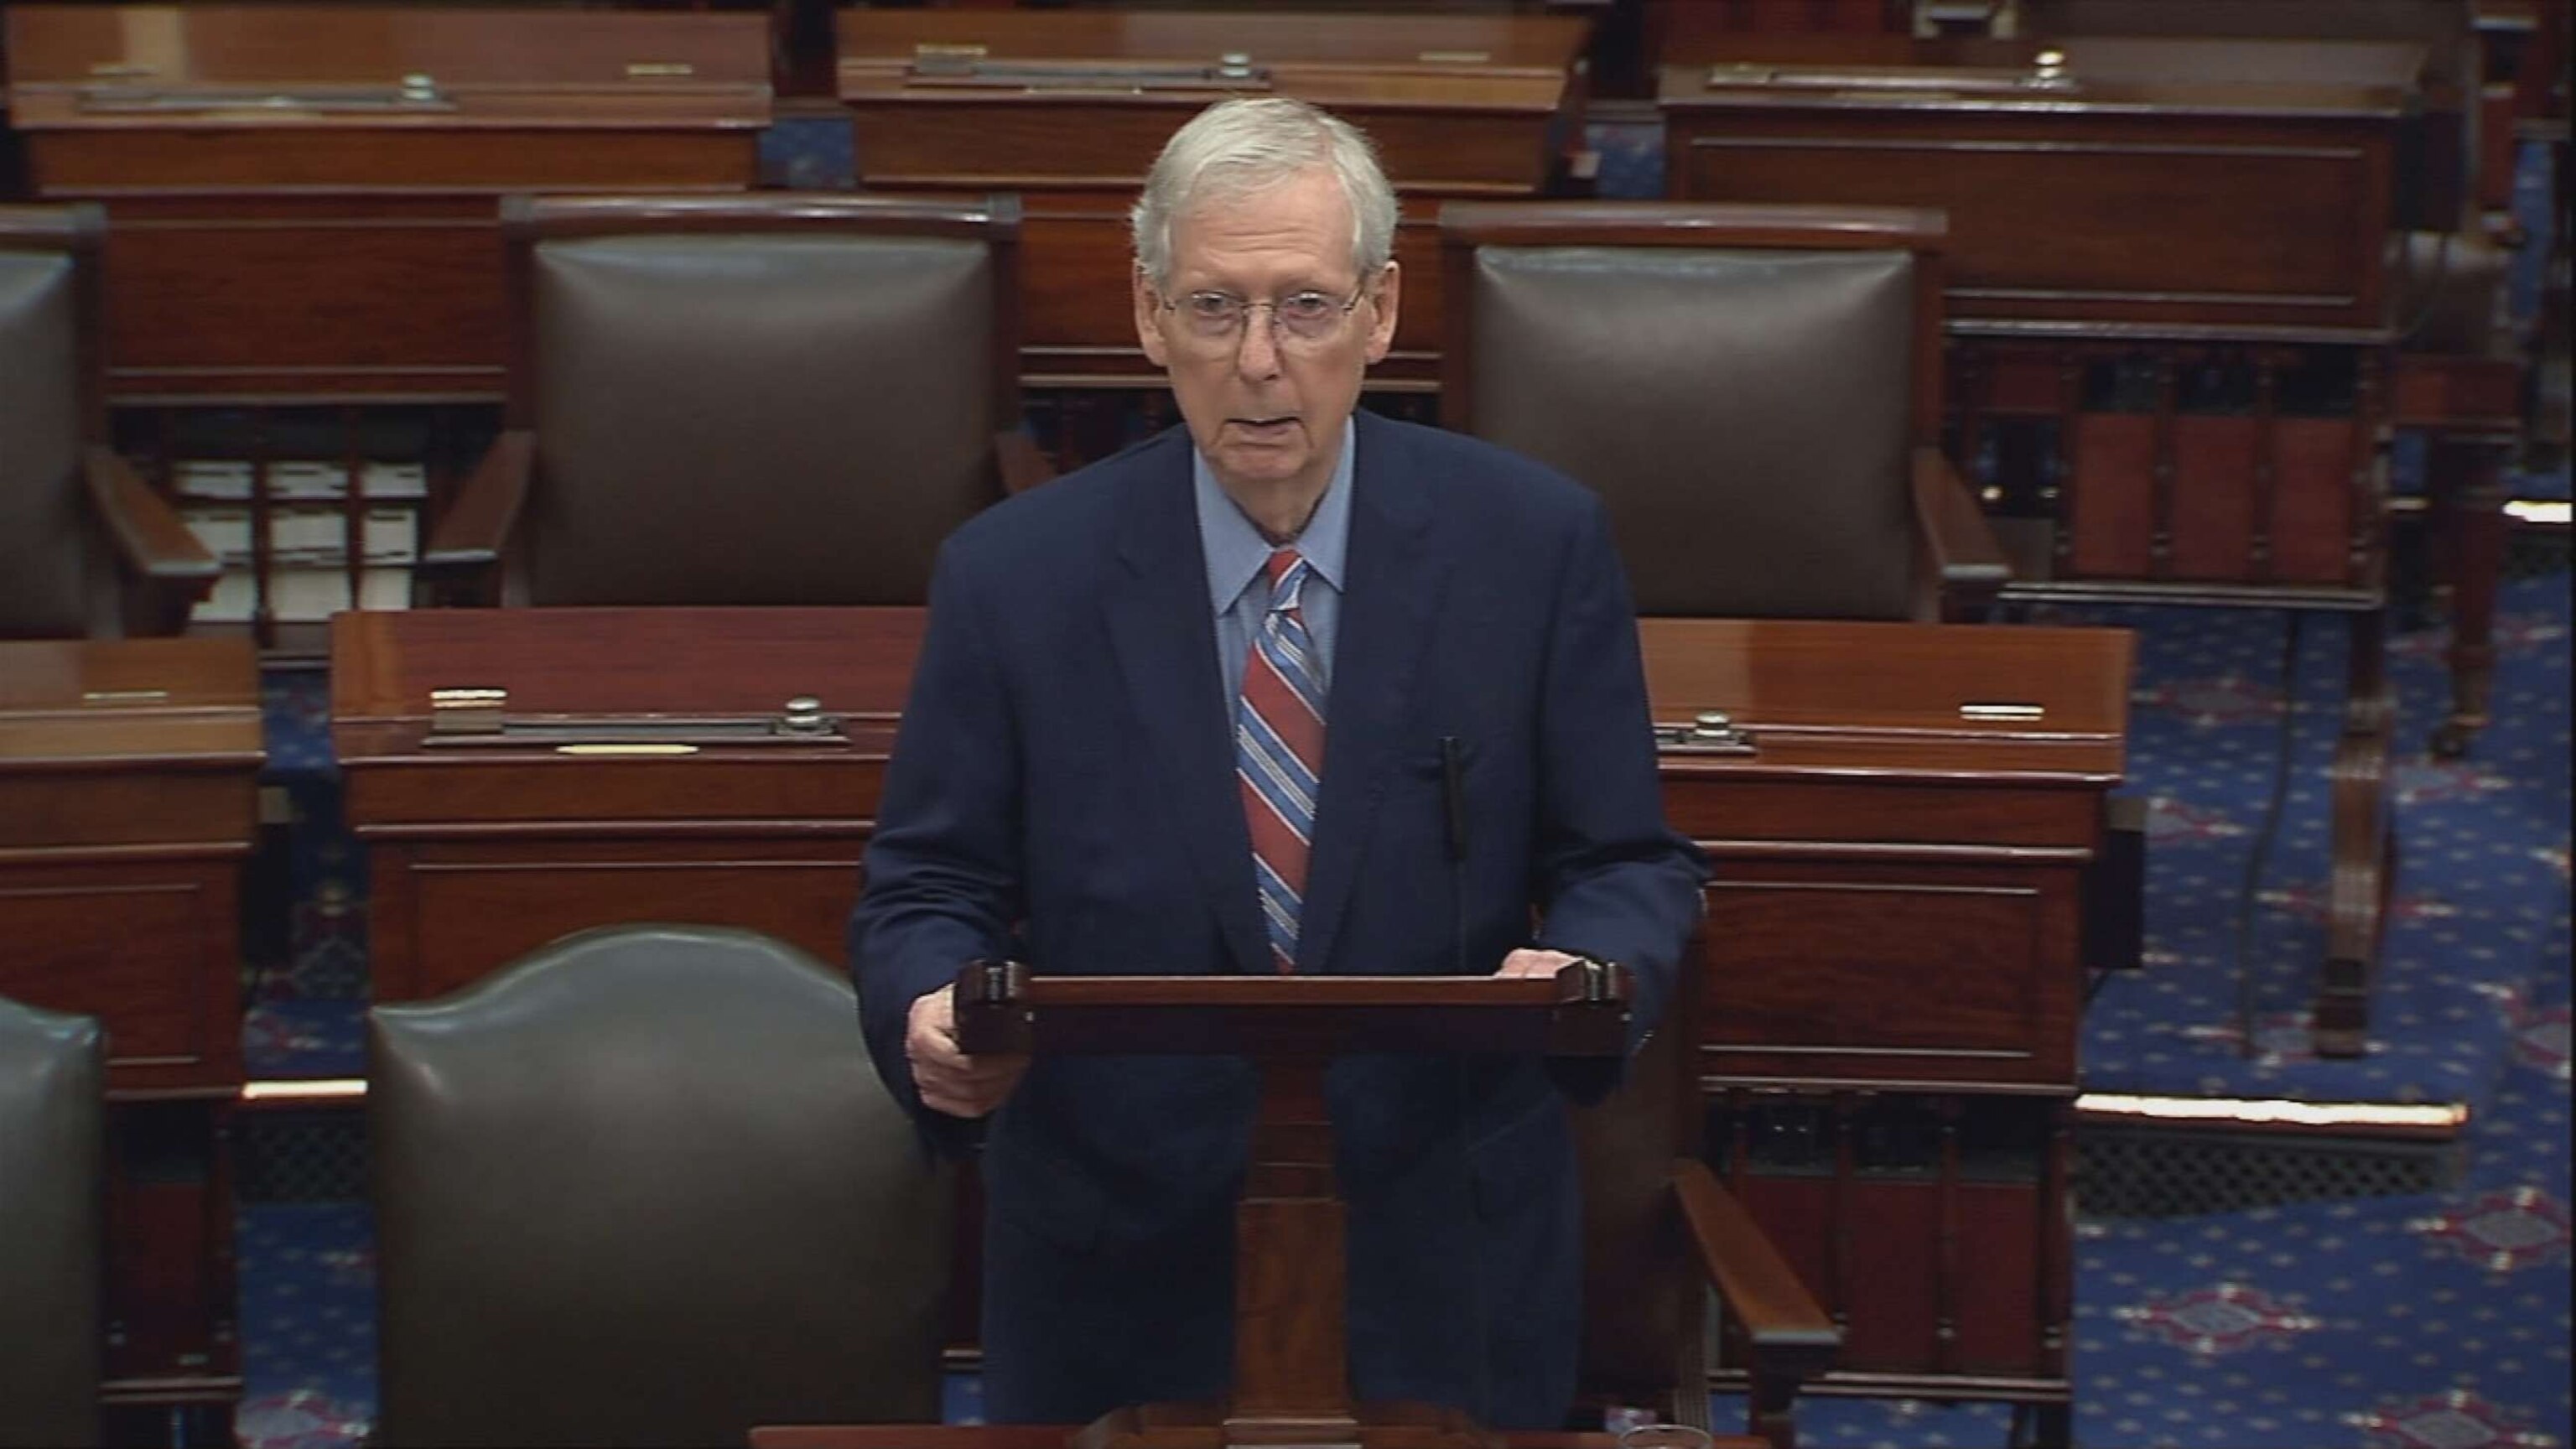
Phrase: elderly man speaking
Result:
[1194,710]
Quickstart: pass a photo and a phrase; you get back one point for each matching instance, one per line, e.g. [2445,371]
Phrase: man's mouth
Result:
[1266,425]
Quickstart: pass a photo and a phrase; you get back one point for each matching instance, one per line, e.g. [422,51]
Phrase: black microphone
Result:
[1453,804]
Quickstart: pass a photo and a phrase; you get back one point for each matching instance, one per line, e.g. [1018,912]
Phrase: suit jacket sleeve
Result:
[943,867]
[1611,880]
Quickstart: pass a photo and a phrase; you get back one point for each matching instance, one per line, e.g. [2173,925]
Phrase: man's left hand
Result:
[1529,961]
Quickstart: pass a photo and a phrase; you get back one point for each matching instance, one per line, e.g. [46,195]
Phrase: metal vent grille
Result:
[309,1156]
[2137,1173]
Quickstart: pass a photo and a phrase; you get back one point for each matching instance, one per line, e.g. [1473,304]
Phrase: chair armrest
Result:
[1963,554]
[1787,1337]
[1023,466]
[162,571]
[152,541]
[469,539]
[1752,1279]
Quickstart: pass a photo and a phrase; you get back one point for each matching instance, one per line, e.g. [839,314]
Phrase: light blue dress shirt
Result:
[1236,552]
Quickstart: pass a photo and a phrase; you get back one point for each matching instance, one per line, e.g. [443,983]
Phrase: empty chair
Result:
[87,550]
[643,1187]
[771,399]
[52,1131]
[1755,392]
[1660,1231]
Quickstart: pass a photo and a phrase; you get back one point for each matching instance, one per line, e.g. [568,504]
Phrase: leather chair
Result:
[1659,1232]
[763,399]
[52,1137]
[644,1187]
[1755,392]
[86,549]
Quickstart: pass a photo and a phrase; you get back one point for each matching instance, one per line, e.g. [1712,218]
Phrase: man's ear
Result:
[1382,327]
[1149,319]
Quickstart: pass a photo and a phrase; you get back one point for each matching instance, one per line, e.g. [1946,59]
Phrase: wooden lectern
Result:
[1291,1378]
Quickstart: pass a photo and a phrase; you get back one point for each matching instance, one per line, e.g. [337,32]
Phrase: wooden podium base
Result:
[1215,1426]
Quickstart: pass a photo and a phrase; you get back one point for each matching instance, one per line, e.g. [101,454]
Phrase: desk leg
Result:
[2364,846]
[2466,482]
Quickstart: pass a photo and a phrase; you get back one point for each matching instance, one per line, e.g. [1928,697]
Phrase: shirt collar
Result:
[1235,549]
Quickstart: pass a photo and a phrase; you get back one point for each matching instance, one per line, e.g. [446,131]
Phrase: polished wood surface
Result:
[2266,167]
[482,854]
[303,199]
[1919,805]
[1069,108]
[128,807]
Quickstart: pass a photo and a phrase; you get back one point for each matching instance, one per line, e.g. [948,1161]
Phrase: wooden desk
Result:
[1895,972]
[1069,108]
[127,809]
[2169,307]
[481,854]
[2265,167]
[1875,832]
[303,199]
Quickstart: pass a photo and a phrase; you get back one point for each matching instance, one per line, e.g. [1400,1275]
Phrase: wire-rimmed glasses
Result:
[1215,320]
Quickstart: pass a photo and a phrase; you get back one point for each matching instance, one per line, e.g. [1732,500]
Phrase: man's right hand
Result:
[950,1081]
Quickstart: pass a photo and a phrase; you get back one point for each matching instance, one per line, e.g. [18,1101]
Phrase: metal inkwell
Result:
[1710,732]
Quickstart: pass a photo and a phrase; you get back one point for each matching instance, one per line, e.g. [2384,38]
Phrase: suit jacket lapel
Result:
[1388,601]
[1164,637]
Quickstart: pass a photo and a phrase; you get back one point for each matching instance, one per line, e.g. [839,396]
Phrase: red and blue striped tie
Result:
[1279,751]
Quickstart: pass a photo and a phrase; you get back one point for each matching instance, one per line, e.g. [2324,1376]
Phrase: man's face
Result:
[1266,403]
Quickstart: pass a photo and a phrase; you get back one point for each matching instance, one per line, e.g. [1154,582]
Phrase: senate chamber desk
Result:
[303,200]
[128,808]
[483,849]
[1069,109]
[1894,948]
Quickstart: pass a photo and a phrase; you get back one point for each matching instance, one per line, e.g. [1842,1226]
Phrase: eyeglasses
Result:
[1217,319]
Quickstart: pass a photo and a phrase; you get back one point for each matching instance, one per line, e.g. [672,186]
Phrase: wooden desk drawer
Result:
[149,949]
[1919,973]
[447,914]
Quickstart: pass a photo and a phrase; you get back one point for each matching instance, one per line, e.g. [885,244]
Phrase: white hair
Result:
[1241,146]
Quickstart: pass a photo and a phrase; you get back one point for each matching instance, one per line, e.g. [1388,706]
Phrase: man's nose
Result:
[1256,352]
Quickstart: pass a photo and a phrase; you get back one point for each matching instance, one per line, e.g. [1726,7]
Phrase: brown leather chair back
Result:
[52,1134]
[643,1187]
[758,400]
[48,392]
[1743,385]
[1644,1295]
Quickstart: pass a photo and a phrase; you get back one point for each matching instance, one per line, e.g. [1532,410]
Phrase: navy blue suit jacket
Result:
[1063,792]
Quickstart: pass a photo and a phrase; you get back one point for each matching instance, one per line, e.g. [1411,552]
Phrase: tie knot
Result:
[1287,573]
